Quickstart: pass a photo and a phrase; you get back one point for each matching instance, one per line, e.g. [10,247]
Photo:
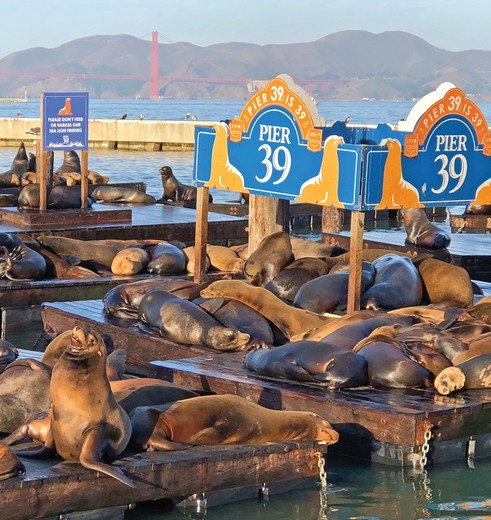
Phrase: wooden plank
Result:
[201,239]
[332,219]
[52,487]
[84,181]
[266,215]
[355,261]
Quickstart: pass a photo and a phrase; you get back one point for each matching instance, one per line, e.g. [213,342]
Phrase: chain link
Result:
[426,447]
[322,493]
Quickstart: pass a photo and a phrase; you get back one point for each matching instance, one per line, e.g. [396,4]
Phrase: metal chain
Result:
[322,493]
[426,447]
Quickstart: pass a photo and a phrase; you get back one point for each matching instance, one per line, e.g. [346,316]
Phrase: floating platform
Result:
[470,223]
[386,426]
[53,487]
[468,250]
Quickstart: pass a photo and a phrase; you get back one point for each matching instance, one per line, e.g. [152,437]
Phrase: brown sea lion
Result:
[120,194]
[310,361]
[421,232]
[390,367]
[224,259]
[476,347]
[329,293]
[481,310]
[166,259]
[190,254]
[432,313]
[468,330]
[59,197]
[10,465]
[288,319]
[71,163]
[85,422]
[237,315]
[123,300]
[397,283]
[12,177]
[175,190]
[59,267]
[427,357]
[96,178]
[471,374]
[8,353]
[18,261]
[130,261]
[224,419]
[273,253]
[184,322]
[445,283]
[302,247]
[288,281]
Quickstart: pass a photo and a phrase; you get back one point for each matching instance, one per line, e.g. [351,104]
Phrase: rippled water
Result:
[356,490]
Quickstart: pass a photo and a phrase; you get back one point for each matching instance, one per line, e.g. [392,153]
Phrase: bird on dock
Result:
[124,116]
[142,117]
[346,121]
[18,114]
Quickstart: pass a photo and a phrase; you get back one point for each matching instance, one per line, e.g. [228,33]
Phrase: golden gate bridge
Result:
[156,80]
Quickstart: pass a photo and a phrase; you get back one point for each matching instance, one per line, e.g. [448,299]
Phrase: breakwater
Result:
[111,134]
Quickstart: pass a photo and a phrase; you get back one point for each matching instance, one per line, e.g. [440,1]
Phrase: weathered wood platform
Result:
[53,487]
[384,426]
[464,223]
[468,250]
[380,425]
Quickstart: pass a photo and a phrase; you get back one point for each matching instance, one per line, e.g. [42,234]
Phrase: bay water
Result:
[356,489]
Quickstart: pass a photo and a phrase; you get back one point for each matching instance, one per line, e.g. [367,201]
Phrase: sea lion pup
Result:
[123,300]
[444,283]
[10,465]
[176,191]
[166,259]
[273,253]
[288,319]
[18,261]
[310,361]
[329,293]
[85,422]
[397,283]
[223,419]
[292,277]
[184,322]
[421,232]
[120,194]
[390,367]
[130,261]
[471,374]
[12,177]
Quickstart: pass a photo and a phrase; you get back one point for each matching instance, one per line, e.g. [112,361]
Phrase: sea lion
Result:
[288,319]
[273,253]
[175,190]
[85,422]
[224,259]
[481,209]
[59,197]
[237,315]
[166,259]
[476,347]
[302,247]
[288,281]
[24,390]
[397,283]
[223,419]
[421,232]
[18,261]
[329,292]
[123,300]
[10,465]
[58,267]
[310,361]
[96,178]
[71,163]
[481,310]
[8,353]
[472,373]
[120,194]
[445,283]
[184,322]
[130,261]
[390,367]
[190,254]
[12,177]
[431,313]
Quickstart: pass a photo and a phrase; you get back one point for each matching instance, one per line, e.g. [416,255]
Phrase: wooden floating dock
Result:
[468,250]
[53,487]
[383,426]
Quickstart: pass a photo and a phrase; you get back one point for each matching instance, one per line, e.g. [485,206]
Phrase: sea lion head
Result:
[316,428]
[166,172]
[85,344]
[229,339]
[449,380]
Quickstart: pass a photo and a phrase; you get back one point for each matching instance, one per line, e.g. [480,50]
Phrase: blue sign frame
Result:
[65,120]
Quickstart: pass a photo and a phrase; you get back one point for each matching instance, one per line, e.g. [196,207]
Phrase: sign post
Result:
[65,126]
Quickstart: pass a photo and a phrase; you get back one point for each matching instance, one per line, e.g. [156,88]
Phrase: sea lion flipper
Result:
[92,446]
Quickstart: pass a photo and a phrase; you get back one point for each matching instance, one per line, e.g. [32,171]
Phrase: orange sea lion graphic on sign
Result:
[223,174]
[396,192]
[67,109]
[323,188]
[483,194]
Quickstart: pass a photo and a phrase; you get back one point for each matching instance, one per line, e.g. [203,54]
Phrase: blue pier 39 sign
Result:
[65,121]
[274,148]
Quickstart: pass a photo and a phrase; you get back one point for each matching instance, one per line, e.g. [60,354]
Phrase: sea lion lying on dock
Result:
[223,419]
[18,261]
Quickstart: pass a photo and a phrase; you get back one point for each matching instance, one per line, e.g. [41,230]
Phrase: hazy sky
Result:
[450,24]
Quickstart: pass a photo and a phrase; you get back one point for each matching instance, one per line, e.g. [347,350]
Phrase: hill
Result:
[347,65]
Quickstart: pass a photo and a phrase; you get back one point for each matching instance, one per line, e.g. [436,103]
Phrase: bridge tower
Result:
[154,67]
